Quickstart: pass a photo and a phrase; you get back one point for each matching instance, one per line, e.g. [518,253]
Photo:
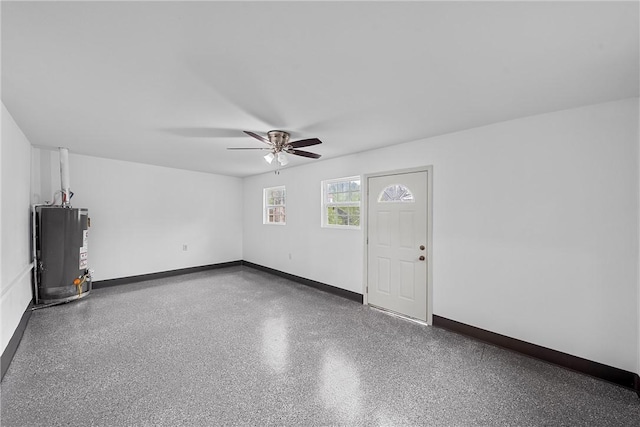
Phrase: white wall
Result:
[15,259]
[535,227]
[141,215]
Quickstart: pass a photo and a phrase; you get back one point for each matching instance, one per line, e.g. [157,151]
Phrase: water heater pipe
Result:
[64,176]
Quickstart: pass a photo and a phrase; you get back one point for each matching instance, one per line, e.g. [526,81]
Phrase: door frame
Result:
[365,234]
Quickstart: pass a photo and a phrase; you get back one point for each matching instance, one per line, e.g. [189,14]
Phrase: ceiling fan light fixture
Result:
[282,159]
[269,157]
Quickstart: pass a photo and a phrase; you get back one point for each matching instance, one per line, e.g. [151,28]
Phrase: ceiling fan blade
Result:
[258,137]
[304,154]
[247,148]
[305,142]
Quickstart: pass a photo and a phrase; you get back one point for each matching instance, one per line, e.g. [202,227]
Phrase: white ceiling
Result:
[175,83]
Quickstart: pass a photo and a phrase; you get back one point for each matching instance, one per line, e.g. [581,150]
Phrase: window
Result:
[341,202]
[274,205]
[396,193]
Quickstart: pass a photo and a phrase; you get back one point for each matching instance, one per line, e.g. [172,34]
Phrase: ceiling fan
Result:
[279,146]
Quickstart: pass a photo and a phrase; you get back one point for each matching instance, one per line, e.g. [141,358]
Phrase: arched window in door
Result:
[396,193]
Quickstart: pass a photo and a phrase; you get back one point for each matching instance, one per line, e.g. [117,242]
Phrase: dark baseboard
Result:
[354,296]
[608,373]
[10,351]
[151,276]
[162,274]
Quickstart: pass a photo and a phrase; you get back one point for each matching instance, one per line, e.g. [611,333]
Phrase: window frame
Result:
[325,204]
[266,206]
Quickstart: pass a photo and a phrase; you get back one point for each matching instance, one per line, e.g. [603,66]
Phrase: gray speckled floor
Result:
[237,346]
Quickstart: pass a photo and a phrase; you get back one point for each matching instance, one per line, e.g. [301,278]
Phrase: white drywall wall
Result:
[142,215]
[535,227]
[15,258]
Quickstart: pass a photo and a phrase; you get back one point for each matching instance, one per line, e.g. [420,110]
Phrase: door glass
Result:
[396,193]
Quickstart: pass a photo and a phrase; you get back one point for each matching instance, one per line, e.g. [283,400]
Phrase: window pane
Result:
[278,214]
[355,196]
[355,185]
[331,215]
[342,197]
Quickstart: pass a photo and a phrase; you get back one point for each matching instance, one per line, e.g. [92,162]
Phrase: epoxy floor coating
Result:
[237,346]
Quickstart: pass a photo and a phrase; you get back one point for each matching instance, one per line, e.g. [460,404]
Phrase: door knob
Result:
[421,258]
[422,247]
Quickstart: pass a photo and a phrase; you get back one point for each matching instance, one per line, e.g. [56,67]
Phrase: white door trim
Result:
[365,222]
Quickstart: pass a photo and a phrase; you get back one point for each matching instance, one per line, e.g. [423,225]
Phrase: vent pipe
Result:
[64,176]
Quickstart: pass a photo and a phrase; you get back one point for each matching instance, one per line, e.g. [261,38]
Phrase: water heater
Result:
[62,251]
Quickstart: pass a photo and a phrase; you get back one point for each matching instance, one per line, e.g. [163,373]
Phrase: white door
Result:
[397,242]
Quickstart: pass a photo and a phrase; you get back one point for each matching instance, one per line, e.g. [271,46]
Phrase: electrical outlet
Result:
[184,247]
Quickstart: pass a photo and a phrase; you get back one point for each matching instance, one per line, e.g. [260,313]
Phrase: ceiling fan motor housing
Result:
[279,139]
